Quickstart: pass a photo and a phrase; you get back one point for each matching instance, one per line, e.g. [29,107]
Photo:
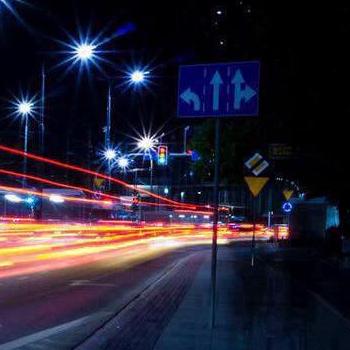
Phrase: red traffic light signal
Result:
[163,155]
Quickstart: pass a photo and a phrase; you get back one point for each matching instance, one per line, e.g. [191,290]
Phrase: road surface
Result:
[60,308]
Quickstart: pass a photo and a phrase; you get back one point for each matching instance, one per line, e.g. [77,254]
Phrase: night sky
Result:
[302,47]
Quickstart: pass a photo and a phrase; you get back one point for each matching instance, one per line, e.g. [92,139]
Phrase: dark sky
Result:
[302,46]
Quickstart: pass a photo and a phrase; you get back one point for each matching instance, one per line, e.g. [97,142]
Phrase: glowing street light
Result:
[137,77]
[123,163]
[85,51]
[147,143]
[24,108]
[110,154]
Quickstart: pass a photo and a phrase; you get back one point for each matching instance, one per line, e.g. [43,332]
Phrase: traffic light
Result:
[136,199]
[163,155]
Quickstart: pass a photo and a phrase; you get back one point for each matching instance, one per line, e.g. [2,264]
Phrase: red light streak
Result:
[87,171]
[194,212]
[54,183]
[84,189]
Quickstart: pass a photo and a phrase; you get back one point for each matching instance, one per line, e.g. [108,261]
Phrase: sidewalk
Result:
[256,309]
[190,326]
[260,308]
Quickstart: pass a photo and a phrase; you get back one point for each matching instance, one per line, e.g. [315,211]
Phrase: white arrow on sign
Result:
[240,94]
[216,82]
[191,97]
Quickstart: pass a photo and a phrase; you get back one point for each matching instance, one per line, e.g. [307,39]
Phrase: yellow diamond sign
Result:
[256,184]
[98,182]
[288,194]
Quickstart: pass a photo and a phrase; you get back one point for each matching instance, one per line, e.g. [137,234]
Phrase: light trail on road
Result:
[32,247]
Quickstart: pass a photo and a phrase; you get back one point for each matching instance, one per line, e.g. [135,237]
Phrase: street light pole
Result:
[42,111]
[185,138]
[151,179]
[26,129]
[109,118]
[25,109]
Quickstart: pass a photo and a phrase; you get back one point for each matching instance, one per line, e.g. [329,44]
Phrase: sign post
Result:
[255,184]
[255,165]
[218,90]
[216,216]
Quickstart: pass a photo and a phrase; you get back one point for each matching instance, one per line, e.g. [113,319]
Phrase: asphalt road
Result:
[58,309]
[291,299]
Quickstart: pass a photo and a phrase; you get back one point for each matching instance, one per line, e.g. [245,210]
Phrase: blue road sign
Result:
[218,90]
[287,207]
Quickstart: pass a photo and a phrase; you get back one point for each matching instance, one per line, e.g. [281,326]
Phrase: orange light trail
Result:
[32,247]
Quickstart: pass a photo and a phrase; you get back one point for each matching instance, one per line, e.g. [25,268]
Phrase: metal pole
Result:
[108,121]
[39,208]
[253,238]
[42,114]
[185,139]
[215,219]
[151,180]
[108,132]
[26,127]
[109,173]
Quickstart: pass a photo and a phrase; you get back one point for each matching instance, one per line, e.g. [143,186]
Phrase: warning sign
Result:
[256,184]
[288,194]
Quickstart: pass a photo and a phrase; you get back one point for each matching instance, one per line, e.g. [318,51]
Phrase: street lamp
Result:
[123,163]
[110,154]
[147,144]
[85,51]
[137,77]
[24,108]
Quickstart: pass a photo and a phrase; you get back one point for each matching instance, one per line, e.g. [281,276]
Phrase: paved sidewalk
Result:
[190,326]
[257,309]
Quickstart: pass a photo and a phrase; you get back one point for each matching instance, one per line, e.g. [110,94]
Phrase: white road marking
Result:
[84,283]
[23,278]
[15,344]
